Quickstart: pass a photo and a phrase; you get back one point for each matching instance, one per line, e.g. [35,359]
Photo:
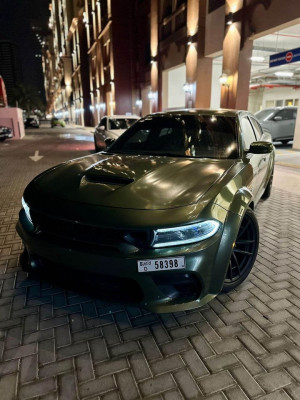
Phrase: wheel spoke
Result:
[244,242]
[248,253]
[243,229]
[236,261]
[230,270]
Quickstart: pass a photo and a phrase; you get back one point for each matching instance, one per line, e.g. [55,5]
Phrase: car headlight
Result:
[26,209]
[184,234]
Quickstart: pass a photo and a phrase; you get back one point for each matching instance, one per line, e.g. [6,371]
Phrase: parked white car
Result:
[110,128]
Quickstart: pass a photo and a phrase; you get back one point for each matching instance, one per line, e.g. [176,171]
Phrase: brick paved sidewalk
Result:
[61,344]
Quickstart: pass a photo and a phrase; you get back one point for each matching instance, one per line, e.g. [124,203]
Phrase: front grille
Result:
[76,231]
[59,229]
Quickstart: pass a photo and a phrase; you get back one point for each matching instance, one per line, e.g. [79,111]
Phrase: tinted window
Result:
[287,113]
[120,123]
[177,135]
[257,128]
[248,136]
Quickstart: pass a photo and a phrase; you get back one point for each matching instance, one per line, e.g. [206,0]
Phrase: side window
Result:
[248,135]
[257,128]
[286,114]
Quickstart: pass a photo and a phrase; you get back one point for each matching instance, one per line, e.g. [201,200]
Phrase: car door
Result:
[248,136]
[284,124]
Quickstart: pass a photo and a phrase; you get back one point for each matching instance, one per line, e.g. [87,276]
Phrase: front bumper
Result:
[160,291]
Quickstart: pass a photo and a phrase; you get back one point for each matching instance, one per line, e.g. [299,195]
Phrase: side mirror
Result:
[109,141]
[277,118]
[102,128]
[260,148]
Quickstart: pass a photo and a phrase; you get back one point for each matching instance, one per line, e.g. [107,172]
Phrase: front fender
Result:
[235,214]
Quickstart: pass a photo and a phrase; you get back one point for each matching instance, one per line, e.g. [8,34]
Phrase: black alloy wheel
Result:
[244,252]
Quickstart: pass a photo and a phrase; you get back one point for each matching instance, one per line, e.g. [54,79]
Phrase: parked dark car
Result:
[32,122]
[164,217]
[5,133]
[280,121]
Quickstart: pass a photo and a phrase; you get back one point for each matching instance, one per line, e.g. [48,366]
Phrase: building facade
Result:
[141,56]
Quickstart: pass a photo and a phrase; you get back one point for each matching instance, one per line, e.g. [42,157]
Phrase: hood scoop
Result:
[108,180]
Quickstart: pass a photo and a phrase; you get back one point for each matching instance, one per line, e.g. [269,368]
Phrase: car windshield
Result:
[197,136]
[264,115]
[120,123]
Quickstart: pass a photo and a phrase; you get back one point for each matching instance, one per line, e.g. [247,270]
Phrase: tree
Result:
[27,98]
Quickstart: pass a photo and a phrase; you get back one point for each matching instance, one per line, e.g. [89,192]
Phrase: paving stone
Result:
[167,364]
[220,363]
[97,386]
[127,386]
[216,382]
[246,381]
[186,383]
[195,364]
[42,387]
[55,368]
[111,367]
[8,387]
[274,380]
[67,386]
[140,366]
[156,385]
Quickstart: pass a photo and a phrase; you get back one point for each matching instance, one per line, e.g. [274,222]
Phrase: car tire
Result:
[244,252]
[25,261]
[268,189]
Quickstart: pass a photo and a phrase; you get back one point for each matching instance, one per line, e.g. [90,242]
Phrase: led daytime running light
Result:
[26,209]
[186,234]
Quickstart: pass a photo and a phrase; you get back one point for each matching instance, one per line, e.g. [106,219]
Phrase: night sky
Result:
[16,18]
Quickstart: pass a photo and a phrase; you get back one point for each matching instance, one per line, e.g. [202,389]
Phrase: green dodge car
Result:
[163,218]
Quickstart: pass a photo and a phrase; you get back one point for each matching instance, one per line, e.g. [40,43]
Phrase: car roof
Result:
[188,111]
[122,116]
[278,108]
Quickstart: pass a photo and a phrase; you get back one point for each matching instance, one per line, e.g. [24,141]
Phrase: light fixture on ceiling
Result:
[257,58]
[284,74]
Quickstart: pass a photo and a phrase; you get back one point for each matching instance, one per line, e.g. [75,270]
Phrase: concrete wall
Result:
[260,98]
[13,118]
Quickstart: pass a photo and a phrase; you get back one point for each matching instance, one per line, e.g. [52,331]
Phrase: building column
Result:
[204,64]
[236,59]
[154,55]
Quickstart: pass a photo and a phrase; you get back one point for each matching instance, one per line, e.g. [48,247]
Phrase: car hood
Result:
[135,182]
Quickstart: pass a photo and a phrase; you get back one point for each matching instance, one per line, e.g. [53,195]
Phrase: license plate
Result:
[161,264]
